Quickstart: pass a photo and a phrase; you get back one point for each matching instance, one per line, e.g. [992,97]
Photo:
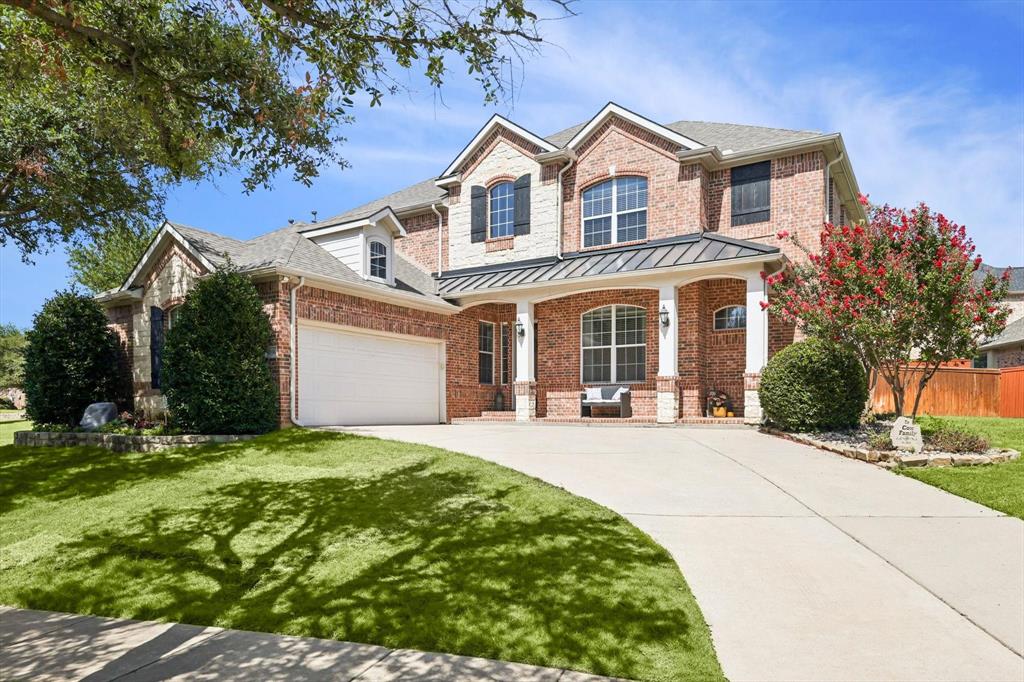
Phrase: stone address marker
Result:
[906,435]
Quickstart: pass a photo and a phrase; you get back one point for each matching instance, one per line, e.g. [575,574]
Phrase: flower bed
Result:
[863,443]
[118,442]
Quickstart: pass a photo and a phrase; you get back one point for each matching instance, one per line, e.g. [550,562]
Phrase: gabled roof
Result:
[614,110]
[495,121]
[384,216]
[1016,275]
[1012,335]
[693,249]
[286,250]
[421,194]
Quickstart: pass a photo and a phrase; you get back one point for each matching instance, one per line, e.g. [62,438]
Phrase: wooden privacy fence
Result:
[960,391]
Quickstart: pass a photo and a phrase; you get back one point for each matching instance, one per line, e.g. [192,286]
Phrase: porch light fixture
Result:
[520,329]
[664,316]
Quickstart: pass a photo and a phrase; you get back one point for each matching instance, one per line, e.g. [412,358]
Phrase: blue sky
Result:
[929,98]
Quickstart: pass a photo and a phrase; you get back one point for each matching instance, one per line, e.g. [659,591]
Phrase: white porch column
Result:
[757,346]
[668,355]
[526,381]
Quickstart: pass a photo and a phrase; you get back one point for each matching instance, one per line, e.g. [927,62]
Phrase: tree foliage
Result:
[813,384]
[105,261]
[104,102]
[70,359]
[215,372]
[12,356]
[904,286]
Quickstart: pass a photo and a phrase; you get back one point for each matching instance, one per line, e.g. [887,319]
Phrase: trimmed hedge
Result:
[813,385]
[70,359]
[215,371]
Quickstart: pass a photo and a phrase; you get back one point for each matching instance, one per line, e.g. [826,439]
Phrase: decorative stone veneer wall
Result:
[120,319]
[119,442]
[504,156]
[1009,357]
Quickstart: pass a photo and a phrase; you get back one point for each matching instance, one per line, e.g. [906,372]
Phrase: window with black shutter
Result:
[156,345]
[751,193]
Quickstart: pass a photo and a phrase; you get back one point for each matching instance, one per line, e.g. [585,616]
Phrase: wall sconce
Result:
[520,329]
[664,316]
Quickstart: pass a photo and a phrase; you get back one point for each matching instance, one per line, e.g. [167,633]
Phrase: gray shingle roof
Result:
[1012,335]
[287,248]
[725,136]
[686,250]
[413,195]
[1016,275]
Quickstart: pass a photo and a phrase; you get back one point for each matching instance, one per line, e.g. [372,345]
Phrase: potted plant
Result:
[718,403]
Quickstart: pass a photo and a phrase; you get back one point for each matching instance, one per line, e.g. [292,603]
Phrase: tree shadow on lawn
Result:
[58,473]
[438,560]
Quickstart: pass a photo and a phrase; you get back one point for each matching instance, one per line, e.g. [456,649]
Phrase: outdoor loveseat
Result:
[606,396]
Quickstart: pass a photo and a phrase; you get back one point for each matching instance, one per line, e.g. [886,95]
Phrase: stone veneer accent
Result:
[119,442]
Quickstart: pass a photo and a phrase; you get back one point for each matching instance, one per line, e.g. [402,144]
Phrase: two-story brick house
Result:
[619,251]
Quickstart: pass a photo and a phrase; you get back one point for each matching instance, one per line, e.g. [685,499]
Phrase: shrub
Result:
[952,439]
[813,385]
[216,376]
[70,359]
[880,441]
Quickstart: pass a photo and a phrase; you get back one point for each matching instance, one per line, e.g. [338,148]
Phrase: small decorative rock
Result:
[98,414]
[906,435]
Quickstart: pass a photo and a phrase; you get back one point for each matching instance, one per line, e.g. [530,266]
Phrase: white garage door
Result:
[352,378]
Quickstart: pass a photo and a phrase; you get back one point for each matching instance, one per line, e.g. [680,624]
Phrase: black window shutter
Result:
[521,212]
[751,193]
[156,344]
[478,214]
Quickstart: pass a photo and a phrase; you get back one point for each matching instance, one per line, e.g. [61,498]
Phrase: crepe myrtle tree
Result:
[900,287]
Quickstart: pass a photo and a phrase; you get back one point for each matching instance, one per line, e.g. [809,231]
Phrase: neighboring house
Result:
[1007,349]
[618,251]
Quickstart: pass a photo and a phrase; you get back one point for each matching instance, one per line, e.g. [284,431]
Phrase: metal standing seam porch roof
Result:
[691,249]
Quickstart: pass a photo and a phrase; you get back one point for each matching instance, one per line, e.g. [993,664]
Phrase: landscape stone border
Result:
[890,459]
[119,442]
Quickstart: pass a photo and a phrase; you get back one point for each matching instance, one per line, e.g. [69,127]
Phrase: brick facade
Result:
[419,245]
[120,320]
[466,396]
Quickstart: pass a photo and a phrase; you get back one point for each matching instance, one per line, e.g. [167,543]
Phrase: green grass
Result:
[7,430]
[359,539]
[999,486]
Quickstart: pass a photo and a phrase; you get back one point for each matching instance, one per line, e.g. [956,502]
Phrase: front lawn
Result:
[7,430]
[339,536]
[999,486]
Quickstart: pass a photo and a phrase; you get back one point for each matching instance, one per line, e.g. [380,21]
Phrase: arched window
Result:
[731,317]
[502,208]
[172,316]
[615,211]
[614,344]
[378,260]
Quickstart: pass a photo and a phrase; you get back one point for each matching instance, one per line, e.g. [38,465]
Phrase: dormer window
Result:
[502,205]
[378,260]
[615,211]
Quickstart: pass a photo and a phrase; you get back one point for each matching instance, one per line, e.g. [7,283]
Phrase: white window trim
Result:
[490,352]
[512,223]
[615,212]
[387,279]
[714,319]
[614,346]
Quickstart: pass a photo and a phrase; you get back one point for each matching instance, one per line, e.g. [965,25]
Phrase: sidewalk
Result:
[57,646]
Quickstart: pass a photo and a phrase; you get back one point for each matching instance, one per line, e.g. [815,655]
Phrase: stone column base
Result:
[526,400]
[752,413]
[668,400]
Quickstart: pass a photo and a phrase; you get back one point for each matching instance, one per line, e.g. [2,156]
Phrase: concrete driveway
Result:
[808,566]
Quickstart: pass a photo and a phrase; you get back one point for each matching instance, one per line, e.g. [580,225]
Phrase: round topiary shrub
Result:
[70,359]
[813,385]
[215,372]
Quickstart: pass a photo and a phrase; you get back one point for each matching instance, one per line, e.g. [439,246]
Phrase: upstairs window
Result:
[485,339]
[502,210]
[731,317]
[378,260]
[751,193]
[615,211]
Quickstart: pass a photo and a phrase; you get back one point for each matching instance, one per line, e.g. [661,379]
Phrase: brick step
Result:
[498,414]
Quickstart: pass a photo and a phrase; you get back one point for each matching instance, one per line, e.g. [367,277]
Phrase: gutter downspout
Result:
[572,160]
[440,219]
[828,181]
[294,342]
